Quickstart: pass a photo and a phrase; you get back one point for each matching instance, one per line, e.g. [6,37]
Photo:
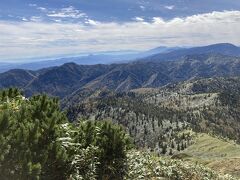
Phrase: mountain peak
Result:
[226,49]
[69,65]
[225,45]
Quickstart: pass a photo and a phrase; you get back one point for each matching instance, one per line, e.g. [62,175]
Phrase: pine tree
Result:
[164,149]
[172,145]
[37,142]
[31,132]
[178,147]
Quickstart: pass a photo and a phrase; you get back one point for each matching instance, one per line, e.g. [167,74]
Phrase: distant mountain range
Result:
[71,78]
[91,59]
[222,48]
[157,54]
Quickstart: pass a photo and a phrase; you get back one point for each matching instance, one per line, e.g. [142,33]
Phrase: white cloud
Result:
[42,9]
[69,12]
[142,7]
[32,5]
[31,39]
[36,18]
[139,19]
[58,20]
[169,7]
[158,20]
[24,19]
[91,22]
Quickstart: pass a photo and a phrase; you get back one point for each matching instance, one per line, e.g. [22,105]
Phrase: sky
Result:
[55,28]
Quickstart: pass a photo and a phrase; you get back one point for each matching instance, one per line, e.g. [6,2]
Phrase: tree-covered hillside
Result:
[160,119]
[38,142]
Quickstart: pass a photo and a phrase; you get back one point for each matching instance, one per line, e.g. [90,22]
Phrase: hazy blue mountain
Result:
[157,54]
[16,78]
[84,60]
[70,78]
[7,66]
[222,48]
[159,50]
[104,58]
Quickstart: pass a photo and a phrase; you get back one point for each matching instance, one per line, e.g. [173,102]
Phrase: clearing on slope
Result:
[219,154]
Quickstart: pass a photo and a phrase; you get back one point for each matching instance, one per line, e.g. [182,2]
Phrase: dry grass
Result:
[221,155]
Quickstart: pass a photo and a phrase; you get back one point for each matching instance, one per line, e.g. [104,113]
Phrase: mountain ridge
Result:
[68,78]
[90,59]
[160,53]
[221,48]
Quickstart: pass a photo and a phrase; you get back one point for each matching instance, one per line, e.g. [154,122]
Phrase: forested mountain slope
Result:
[167,114]
[74,79]
[37,142]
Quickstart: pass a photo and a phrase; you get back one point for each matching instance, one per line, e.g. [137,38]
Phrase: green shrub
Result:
[38,142]
[112,144]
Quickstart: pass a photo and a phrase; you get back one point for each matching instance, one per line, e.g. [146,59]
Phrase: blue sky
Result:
[48,28]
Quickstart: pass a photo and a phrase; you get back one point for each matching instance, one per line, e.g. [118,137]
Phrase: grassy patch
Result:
[220,155]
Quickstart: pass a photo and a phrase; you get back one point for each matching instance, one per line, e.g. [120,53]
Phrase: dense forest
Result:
[38,141]
[162,119]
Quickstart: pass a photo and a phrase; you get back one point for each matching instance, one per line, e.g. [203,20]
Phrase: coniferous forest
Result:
[38,141]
